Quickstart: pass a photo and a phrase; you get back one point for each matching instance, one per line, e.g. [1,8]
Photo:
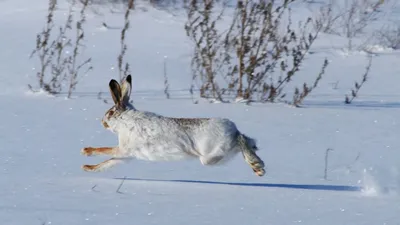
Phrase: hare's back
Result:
[150,136]
[210,131]
[161,125]
[223,126]
[220,125]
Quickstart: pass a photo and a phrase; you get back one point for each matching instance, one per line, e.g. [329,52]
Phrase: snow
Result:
[41,177]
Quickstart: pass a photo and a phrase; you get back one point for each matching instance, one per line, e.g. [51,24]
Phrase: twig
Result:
[124,72]
[73,66]
[120,185]
[358,156]
[357,86]
[298,96]
[99,96]
[349,167]
[326,163]
[166,85]
[93,188]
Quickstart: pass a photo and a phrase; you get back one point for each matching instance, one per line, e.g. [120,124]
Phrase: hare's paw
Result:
[89,168]
[104,165]
[259,172]
[88,151]
[258,168]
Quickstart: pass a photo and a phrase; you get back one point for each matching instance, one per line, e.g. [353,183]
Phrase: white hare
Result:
[149,136]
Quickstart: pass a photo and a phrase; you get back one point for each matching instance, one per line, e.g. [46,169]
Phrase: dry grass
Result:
[57,68]
[358,85]
[245,59]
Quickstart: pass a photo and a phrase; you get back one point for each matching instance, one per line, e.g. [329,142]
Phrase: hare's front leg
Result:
[90,151]
[104,165]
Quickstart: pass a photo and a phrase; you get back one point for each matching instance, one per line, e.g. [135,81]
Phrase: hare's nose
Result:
[105,125]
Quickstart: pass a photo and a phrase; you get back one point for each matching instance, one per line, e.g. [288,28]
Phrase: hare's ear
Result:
[126,89]
[115,91]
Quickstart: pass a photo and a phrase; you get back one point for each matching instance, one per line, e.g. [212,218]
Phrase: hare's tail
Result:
[248,147]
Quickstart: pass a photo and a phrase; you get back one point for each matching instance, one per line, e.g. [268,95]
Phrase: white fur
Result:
[149,136]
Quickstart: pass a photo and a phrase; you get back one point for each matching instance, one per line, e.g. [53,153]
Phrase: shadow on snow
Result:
[289,186]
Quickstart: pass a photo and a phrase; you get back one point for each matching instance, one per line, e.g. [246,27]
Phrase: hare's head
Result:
[120,95]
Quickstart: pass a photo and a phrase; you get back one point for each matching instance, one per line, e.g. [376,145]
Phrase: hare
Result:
[149,136]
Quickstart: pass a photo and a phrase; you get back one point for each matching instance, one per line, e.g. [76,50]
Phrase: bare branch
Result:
[357,86]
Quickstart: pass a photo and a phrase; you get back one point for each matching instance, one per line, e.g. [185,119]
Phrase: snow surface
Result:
[42,181]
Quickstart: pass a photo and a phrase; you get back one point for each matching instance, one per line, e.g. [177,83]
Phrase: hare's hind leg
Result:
[250,155]
[255,162]
[104,165]
[90,151]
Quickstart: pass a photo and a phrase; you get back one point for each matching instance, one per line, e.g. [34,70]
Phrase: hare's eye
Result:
[111,113]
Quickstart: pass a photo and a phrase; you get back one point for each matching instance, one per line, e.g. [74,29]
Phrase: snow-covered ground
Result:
[41,177]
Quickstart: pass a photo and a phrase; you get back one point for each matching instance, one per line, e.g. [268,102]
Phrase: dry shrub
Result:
[57,67]
[348,18]
[358,85]
[246,59]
